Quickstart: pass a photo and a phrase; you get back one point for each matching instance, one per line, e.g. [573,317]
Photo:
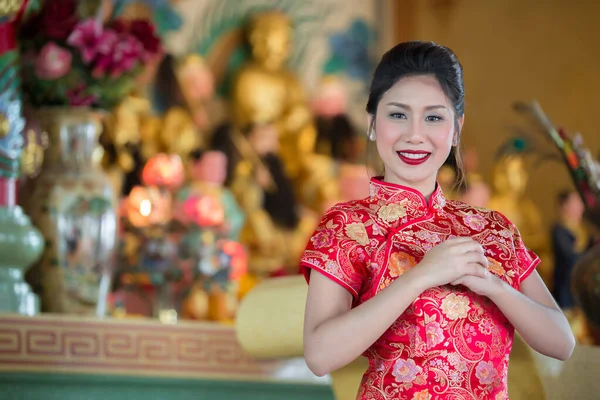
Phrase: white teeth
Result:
[414,156]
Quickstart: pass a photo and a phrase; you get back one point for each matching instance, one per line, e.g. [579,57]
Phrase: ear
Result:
[371,127]
[458,129]
[370,122]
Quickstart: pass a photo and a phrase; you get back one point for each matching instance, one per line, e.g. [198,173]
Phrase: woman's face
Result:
[415,130]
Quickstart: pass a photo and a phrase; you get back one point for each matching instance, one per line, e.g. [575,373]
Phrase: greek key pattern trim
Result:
[129,348]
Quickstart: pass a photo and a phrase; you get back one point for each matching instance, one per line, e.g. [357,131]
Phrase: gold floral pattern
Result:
[391,212]
[357,232]
[455,306]
[448,338]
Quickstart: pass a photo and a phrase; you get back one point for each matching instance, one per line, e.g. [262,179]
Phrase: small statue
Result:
[265,92]
[208,172]
[277,227]
[209,249]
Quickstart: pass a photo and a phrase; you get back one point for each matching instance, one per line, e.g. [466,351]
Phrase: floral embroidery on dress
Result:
[392,212]
[495,267]
[406,371]
[486,325]
[485,372]
[324,238]
[448,337]
[455,306]
[357,232]
[475,221]
[435,334]
[422,395]
[400,262]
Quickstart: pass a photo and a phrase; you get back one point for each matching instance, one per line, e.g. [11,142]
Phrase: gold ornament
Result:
[9,8]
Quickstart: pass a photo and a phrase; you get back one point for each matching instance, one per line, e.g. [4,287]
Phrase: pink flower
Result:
[204,211]
[124,55]
[53,62]
[435,334]
[322,239]
[79,98]
[486,326]
[406,371]
[92,40]
[475,222]
[485,372]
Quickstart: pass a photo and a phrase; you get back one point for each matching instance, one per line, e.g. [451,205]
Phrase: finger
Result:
[468,247]
[476,269]
[475,257]
[457,282]
[453,241]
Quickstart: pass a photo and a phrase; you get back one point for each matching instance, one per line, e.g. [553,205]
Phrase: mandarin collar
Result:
[412,202]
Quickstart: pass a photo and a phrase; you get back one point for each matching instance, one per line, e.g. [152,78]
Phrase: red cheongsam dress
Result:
[450,343]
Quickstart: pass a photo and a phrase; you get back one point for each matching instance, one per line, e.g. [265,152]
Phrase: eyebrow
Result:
[406,106]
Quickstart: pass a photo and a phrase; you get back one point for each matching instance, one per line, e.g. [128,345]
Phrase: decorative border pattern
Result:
[125,347]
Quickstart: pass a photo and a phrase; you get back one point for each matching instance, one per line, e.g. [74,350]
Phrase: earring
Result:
[372,135]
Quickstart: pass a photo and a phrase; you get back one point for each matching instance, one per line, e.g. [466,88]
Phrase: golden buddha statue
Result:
[264,91]
[509,182]
[276,228]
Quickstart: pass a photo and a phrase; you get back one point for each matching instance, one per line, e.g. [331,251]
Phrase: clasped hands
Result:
[460,261]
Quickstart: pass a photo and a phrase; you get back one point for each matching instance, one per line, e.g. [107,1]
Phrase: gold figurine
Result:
[266,92]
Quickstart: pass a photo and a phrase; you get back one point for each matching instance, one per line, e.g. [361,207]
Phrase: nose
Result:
[415,133]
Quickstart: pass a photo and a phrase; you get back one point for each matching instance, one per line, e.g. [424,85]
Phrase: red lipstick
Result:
[413,157]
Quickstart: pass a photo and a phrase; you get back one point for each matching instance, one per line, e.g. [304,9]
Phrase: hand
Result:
[489,285]
[451,260]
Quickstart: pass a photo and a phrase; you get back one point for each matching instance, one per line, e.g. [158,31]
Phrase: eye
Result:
[397,115]
[433,118]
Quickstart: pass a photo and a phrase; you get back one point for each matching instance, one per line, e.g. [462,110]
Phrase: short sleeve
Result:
[527,260]
[336,250]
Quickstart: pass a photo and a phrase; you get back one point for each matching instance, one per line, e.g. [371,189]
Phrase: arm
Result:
[536,316]
[335,334]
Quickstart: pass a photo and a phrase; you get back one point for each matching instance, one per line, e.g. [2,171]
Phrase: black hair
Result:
[422,58]
[563,196]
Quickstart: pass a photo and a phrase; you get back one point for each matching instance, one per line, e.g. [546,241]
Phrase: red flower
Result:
[58,18]
[119,26]
[143,31]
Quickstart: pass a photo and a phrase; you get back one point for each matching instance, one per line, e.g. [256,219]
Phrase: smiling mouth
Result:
[413,158]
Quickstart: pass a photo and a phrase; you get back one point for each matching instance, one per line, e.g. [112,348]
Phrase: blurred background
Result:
[163,164]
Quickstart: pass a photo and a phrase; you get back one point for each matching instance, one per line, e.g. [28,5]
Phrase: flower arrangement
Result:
[83,54]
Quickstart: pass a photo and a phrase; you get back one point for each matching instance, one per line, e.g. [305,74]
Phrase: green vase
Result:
[20,243]
[20,246]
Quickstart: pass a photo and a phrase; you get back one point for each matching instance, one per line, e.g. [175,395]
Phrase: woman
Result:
[428,289]
[570,240]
